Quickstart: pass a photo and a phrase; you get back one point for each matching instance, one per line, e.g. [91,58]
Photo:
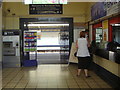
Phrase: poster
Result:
[101,9]
[105,34]
[98,11]
[39,35]
[105,30]
[30,41]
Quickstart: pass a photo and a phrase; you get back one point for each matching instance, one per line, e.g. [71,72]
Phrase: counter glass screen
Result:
[116,34]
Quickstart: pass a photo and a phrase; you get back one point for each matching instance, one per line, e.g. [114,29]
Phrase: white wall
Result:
[90,33]
[76,33]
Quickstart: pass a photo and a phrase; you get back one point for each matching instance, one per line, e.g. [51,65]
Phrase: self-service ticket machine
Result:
[11,48]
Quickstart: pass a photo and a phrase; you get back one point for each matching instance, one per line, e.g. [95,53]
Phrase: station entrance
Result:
[47,40]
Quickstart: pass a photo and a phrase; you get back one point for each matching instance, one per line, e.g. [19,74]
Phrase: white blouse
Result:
[82,48]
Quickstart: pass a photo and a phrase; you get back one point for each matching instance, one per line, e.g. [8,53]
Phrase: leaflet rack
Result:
[30,45]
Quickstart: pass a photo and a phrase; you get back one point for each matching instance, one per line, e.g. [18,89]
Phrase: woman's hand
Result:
[76,44]
[88,42]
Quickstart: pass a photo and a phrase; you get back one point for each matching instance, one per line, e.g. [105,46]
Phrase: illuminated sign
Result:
[45,1]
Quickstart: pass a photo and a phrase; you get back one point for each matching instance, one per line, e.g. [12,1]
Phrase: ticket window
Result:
[116,34]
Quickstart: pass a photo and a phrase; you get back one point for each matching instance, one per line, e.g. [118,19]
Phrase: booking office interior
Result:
[103,24]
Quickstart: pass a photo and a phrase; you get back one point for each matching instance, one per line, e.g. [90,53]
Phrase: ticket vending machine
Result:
[11,48]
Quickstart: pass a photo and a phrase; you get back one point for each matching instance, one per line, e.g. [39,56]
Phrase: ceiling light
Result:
[115,24]
[47,25]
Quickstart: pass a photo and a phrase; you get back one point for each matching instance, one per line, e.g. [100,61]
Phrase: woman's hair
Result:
[82,34]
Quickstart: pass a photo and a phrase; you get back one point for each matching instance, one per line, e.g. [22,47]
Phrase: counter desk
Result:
[108,70]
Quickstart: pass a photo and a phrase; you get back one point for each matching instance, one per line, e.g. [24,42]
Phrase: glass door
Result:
[64,44]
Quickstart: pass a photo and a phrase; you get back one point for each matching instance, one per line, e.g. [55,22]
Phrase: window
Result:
[98,35]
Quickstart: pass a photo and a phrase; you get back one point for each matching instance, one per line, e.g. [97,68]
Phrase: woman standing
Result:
[83,54]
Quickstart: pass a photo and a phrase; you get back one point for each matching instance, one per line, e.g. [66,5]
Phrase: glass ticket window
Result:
[116,34]
[99,33]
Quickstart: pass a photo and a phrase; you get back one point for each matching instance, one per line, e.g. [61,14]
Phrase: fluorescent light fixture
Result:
[34,30]
[33,25]
[118,47]
[28,1]
[115,24]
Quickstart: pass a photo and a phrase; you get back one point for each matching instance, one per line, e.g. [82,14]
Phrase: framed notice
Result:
[45,9]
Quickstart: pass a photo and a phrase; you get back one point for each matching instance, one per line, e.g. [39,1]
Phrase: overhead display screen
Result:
[45,1]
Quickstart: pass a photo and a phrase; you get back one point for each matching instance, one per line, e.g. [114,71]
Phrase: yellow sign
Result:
[105,24]
[105,36]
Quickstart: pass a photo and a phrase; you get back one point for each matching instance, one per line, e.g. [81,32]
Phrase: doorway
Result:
[54,39]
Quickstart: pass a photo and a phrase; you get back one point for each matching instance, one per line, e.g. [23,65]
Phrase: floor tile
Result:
[50,76]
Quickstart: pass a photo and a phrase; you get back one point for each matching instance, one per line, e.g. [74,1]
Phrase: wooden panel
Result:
[119,70]
[107,64]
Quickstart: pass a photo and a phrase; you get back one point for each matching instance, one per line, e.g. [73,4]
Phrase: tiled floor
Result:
[46,58]
[50,76]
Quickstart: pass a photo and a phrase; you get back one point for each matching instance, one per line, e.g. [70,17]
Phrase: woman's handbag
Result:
[75,54]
